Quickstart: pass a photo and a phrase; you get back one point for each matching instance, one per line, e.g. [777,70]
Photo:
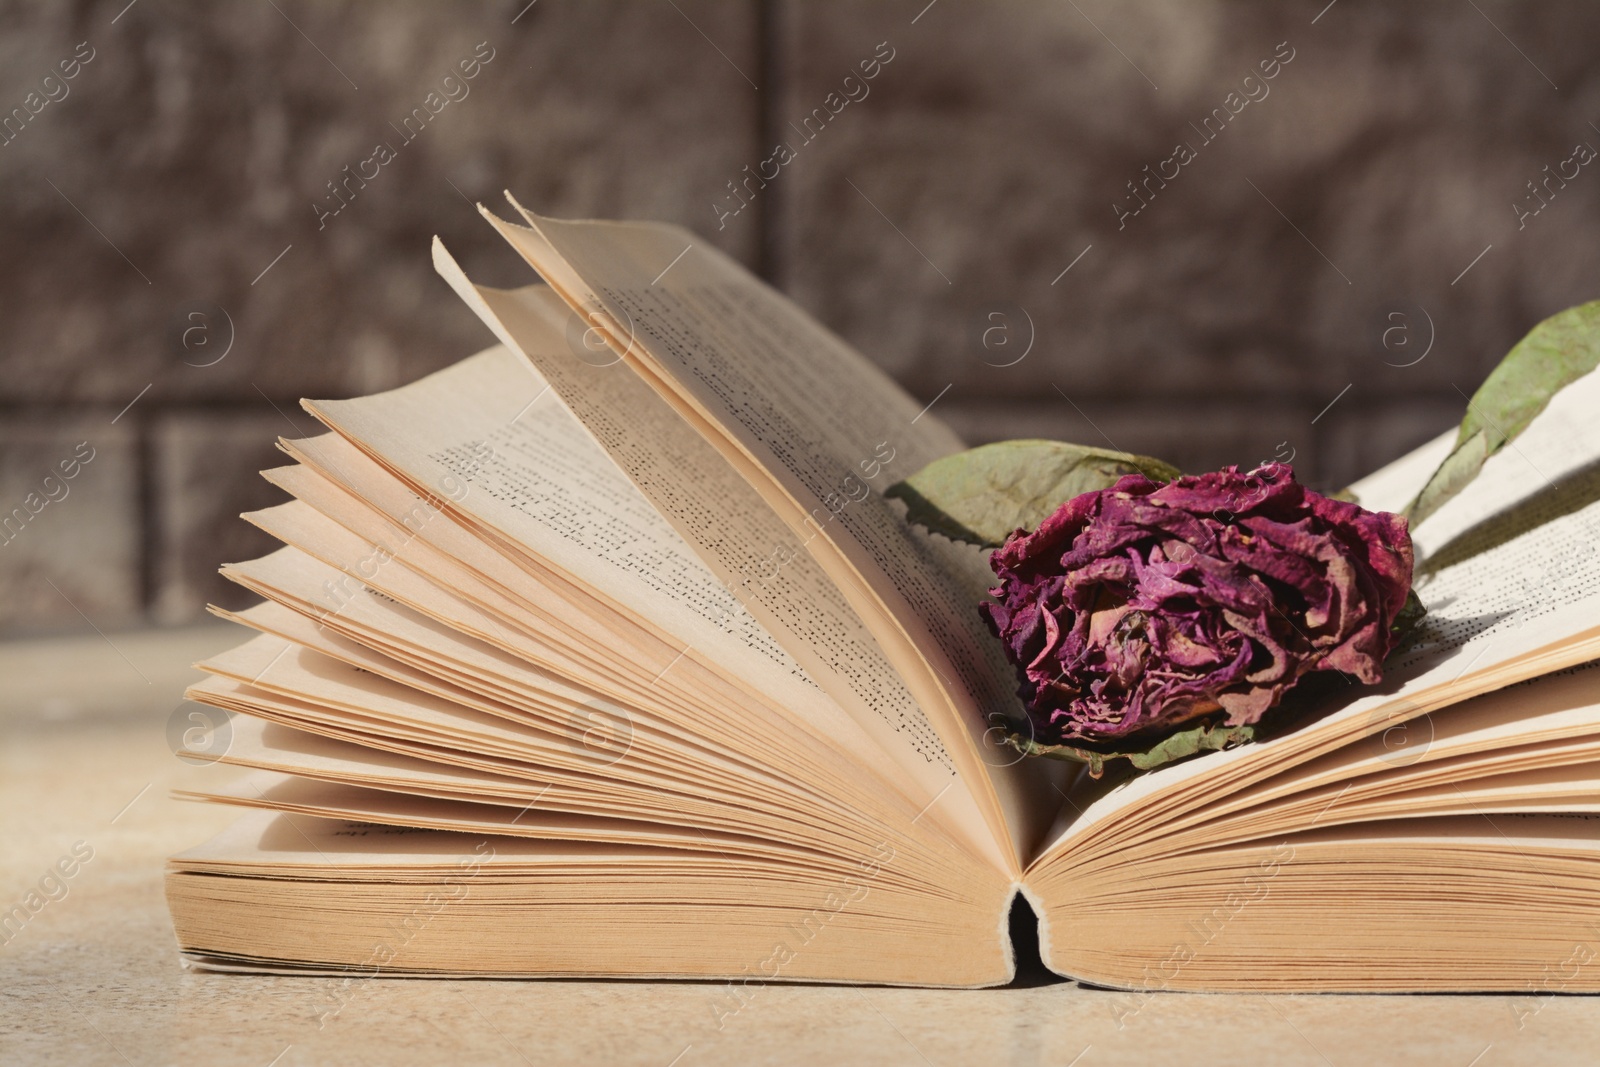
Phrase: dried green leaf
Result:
[1557,352]
[983,494]
[1206,737]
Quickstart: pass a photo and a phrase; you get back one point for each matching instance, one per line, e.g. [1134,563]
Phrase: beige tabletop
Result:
[94,977]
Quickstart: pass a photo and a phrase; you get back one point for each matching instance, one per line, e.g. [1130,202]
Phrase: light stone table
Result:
[94,976]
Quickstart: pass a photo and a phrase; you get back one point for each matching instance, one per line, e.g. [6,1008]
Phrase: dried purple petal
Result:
[1138,608]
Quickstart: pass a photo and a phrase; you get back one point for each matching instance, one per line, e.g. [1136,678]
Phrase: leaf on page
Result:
[983,494]
[1207,737]
[1557,352]
[1408,623]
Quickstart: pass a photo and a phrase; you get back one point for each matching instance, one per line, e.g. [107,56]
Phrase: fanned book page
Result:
[539,482]
[819,432]
[759,559]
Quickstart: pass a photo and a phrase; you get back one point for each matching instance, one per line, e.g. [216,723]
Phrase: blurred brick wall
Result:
[931,221]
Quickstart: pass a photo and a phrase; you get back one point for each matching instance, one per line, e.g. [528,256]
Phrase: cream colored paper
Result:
[735,532]
[819,432]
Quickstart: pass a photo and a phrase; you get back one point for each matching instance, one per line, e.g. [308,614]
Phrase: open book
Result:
[602,653]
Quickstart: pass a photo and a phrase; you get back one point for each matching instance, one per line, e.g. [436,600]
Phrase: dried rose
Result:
[1138,608]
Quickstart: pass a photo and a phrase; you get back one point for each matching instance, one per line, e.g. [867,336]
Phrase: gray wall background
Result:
[1215,326]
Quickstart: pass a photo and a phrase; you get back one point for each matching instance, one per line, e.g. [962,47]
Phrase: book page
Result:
[1519,543]
[819,432]
[293,893]
[309,846]
[424,809]
[1552,719]
[532,476]
[755,554]
[716,722]
[499,448]
[1555,459]
[1449,903]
